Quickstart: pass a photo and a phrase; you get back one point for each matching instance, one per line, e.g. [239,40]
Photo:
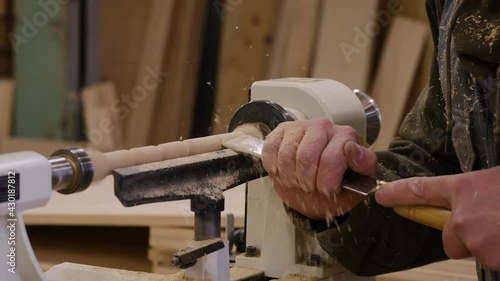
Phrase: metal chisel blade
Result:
[360,184]
[246,144]
[352,181]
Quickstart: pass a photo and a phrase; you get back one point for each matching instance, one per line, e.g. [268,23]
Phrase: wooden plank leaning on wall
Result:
[6,103]
[344,50]
[174,109]
[247,35]
[295,39]
[395,74]
[149,74]
[102,125]
[120,47]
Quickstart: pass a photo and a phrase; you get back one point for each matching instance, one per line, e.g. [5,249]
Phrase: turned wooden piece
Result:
[104,163]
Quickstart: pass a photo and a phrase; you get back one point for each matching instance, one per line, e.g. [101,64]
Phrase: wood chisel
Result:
[431,216]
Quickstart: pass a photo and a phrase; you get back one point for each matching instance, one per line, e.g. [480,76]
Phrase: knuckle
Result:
[268,165]
[476,246]
[418,187]
[286,157]
[323,122]
[349,132]
[329,160]
[283,125]
[458,221]
[306,158]
[461,185]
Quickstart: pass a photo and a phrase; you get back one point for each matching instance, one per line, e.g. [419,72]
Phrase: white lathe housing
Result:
[283,249]
[26,176]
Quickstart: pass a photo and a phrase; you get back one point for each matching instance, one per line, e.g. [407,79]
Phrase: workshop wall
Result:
[113,74]
[200,58]
[6,11]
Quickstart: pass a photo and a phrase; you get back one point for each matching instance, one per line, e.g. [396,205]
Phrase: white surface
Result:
[315,98]
[16,253]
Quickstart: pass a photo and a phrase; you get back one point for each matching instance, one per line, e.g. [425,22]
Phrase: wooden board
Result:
[117,247]
[456,270]
[344,50]
[395,74]
[247,35]
[174,110]
[295,37]
[102,125]
[126,30]
[6,101]
[149,74]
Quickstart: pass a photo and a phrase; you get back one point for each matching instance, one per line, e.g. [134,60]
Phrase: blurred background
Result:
[114,74]
[117,74]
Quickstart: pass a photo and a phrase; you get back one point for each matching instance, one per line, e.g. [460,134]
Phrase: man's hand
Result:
[474,201]
[306,161]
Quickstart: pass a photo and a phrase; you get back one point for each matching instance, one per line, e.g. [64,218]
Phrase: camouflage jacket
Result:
[448,131]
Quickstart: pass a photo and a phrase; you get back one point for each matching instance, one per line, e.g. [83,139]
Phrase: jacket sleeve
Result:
[372,239]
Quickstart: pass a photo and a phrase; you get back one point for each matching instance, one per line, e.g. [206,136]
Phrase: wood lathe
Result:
[200,170]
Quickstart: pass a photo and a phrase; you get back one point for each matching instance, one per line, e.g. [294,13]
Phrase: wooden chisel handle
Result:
[431,216]
[427,215]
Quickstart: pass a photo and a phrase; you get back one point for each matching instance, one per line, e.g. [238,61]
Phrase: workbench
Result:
[93,227]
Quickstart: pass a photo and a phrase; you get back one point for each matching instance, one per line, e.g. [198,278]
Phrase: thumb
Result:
[360,159]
